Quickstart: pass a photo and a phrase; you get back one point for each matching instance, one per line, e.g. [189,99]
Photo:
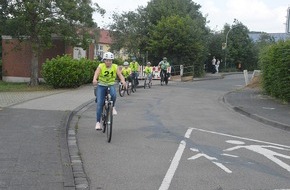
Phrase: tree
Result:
[36,22]
[240,48]
[137,31]
[178,38]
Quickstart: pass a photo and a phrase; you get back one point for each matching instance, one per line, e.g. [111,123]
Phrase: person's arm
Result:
[96,76]
[121,77]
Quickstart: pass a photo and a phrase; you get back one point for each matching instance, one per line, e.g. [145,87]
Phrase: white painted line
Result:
[222,167]
[267,108]
[230,155]
[238,137]
[174,163]
[188,132]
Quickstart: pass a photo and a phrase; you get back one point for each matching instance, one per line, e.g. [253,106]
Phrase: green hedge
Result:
[275,65]
[66,72]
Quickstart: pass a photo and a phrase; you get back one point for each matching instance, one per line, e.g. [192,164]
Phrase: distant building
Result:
[277,36]
[288,21]
[104,45]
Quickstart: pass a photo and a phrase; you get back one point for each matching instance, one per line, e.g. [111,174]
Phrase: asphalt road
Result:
[182,136]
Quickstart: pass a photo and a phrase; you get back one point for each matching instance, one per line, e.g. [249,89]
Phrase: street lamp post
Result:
[226,44]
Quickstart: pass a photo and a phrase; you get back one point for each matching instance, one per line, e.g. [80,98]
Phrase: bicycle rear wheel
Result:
[109,123]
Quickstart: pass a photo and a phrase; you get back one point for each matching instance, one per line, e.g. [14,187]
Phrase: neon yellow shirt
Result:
[164,65]
[107,76]
[134,66]
[148,70]
[126,71]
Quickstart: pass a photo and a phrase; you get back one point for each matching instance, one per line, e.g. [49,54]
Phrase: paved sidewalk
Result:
[254,104]
[33,136]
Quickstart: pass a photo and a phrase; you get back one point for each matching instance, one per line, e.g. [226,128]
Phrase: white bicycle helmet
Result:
[125,63]
[148,63]
[108,55]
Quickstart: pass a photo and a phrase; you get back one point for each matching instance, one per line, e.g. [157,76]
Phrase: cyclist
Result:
[104,77]
[126,71]
[134,65]
[164,64]
[148,71]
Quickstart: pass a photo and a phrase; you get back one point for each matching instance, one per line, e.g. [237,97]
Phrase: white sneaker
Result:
[114,111]
[98,126]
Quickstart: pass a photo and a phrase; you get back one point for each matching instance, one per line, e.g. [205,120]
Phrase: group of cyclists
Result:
[105,76]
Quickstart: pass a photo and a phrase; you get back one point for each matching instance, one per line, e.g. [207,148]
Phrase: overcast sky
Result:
[258,15]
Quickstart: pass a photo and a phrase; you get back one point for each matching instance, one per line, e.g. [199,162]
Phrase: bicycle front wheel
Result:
[129,88]
[109,123]
[145,83]
[150,83]
[121,90]
[133,86]
[166,80]
[162,79]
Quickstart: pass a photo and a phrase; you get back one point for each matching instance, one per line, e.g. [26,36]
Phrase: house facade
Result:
[17,56]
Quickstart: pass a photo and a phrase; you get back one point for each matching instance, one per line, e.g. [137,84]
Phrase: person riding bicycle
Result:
[104,77]
[148,71]
[126,71]
[134,65]
[164,64]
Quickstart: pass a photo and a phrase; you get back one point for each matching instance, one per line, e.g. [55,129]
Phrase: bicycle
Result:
[107,114]
[147,81]
[134,81]
[163,77]
[122,89]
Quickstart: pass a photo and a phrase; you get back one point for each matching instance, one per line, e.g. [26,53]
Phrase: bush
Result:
[66,72]
[275,65]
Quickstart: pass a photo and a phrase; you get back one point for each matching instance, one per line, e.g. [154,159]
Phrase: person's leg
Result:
[113,94]
[101,92]
[114,98]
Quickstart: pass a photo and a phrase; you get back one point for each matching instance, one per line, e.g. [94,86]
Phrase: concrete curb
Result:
[77,170]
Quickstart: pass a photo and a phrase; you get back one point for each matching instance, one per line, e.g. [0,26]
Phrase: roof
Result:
[105,37]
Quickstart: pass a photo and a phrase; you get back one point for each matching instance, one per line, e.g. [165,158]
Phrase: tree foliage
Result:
[36,22]
[172,28]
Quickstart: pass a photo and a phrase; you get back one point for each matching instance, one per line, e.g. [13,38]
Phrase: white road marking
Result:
[222,167]
[174,163]
[267,108]
[238,137]
[230,155]
[263,150]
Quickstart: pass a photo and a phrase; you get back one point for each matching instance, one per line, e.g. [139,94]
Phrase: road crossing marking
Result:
[176,159]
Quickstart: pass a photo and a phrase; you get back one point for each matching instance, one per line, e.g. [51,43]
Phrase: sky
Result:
[258,15]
